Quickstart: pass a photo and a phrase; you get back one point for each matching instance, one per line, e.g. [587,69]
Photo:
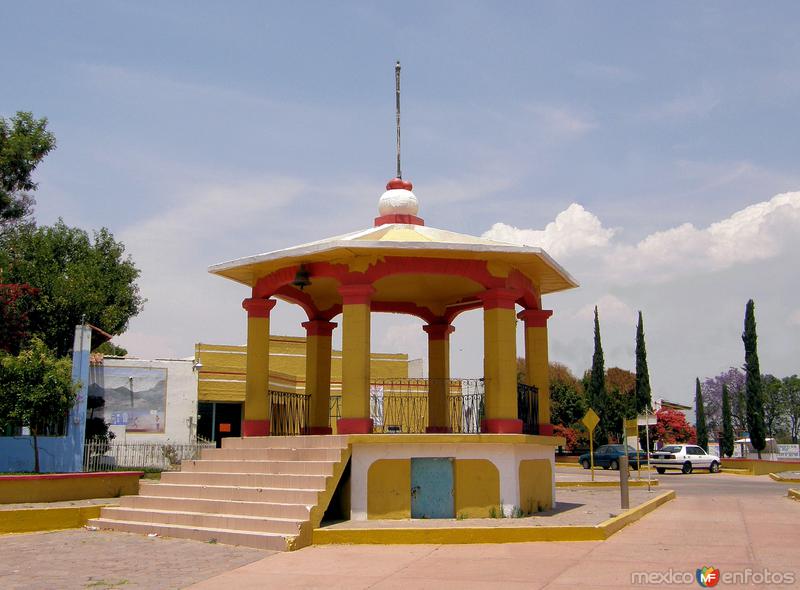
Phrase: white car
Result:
[684,457]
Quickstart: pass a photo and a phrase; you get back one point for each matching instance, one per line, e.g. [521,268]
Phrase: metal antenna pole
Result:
[397,107]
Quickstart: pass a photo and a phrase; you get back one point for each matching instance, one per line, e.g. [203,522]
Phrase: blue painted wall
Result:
[56,453]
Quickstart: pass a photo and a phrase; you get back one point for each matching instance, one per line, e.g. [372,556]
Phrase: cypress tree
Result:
[755,396]
[700,417]
[596,393]
[643,401]
[726,444]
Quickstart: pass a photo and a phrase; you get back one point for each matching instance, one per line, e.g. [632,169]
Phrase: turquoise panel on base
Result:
[432,487]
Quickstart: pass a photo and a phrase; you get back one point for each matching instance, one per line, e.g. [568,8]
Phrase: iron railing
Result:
[287,413]
[528,408]
[101,455]
[401,406]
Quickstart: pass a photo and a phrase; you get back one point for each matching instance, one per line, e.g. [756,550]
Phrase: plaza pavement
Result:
[730,522]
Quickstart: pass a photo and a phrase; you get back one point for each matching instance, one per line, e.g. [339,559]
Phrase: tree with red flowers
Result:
[672,427]
[15,303]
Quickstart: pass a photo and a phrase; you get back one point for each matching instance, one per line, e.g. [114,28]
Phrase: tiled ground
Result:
[79,559]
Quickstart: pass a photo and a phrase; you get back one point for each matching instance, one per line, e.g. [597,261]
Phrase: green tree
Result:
[24,142]
[36,390]
[700,417]
[726,444]
[77,278]
[791,396]
[774,404]
[567,402]
[110,349]
[596,387]
[755,395]
[643,399]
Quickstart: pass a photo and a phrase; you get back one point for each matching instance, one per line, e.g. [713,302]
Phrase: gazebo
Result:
[400,265]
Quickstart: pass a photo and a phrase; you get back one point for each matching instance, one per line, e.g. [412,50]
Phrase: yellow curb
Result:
[794,494]
[778,477]
[29,520]
[732,471]
[635,483]
[466,535]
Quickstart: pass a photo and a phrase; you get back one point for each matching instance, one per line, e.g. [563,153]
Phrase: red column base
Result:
[438,430]
[354,426]
[546,429]
[320,430]
[501,426]
[255,427]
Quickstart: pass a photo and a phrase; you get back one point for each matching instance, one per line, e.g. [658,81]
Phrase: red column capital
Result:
[499,298]
[356,294]
[438,331]
[319,327]
[535,318]
[258,308]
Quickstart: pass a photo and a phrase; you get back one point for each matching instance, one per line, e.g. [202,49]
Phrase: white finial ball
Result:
[398,201]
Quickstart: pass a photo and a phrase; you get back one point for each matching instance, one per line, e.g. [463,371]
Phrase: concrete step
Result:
[323,454]
[249,480]
[286,442]
[275,467]
[280,526]
[231,507]
[257,540]
[233,493]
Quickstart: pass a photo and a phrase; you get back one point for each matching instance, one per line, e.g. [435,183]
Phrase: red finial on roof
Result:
[399,183]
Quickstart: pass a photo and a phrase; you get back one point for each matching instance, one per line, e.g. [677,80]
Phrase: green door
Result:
[432,487]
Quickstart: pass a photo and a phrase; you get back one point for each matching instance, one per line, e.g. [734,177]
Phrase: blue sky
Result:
[199,132]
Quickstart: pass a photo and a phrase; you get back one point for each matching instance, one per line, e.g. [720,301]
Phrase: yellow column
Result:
[256,416]
[500,361]
[318,374]
[438,376]
[537,368]
[355,359]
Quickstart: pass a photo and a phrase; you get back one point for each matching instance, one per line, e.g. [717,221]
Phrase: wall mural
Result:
[134,397]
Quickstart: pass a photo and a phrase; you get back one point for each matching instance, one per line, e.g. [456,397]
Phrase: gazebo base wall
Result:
[398,476]
[354,426]
[255,427]
[501,426]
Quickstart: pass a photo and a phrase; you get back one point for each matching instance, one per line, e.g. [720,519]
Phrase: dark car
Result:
[607,457]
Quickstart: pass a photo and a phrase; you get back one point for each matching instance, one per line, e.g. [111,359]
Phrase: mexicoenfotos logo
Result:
[707,576]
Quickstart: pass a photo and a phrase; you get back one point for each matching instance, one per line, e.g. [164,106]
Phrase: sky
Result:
[651,148]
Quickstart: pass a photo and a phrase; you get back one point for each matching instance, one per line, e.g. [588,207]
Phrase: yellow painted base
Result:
[477,488]
[633,483]
[58,488]
[759,467]
[46,519]
[535,485]
[388,485]
[501,439]
[777,477]
[467,535]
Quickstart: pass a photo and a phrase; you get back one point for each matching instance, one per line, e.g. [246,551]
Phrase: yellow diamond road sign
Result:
[591,419]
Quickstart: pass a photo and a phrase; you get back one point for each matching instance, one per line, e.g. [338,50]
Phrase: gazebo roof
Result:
[403,239]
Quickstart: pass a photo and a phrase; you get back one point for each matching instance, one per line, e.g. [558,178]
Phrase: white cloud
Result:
[697,104]
[559,122]
[758,232]
[573,231]
[691,283]
[610,309]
